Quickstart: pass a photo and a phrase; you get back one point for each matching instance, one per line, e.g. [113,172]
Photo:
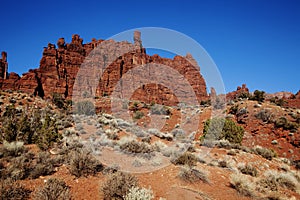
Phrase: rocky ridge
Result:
[60,64]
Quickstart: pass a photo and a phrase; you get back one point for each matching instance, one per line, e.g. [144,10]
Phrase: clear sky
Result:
[256,42]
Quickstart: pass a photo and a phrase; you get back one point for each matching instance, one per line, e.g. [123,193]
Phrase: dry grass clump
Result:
[186,158]
[134,146]
[248,169]
[272,180]
[265,153]
[242,184]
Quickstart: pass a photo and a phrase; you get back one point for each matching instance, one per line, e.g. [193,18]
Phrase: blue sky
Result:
[256,42]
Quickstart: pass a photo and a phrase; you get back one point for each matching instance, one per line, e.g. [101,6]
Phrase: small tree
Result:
[219,128]
[258,96]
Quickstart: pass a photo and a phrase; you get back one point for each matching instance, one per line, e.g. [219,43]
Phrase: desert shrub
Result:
[218,103]
[138,115]
[227,145]
[218,128]
[258,96]
[160,110]
[264,152]
[232,152]
[11,190]
[193,175]
[82,163]
[186,158]
[267,184]
[264,115]
[242,184]
[243,95]
[134,106]
[279,102]
[273,179]
[136,193]
[44,165]
[58,100]
[20,167]
[47,133]
[234,109]
[111,169]
[205,103]
[54,189]
[223,163]
[117,185]
[287,181]
[85,108]
[134,146]
[248,170]
[13,149]
[284,123]
[274,196]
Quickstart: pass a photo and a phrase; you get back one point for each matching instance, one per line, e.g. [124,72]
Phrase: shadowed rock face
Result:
[59,67]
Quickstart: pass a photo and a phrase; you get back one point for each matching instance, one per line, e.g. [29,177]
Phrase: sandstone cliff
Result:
[60,63]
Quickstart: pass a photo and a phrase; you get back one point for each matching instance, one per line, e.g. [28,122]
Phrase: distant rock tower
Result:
[137,39]
[3,65]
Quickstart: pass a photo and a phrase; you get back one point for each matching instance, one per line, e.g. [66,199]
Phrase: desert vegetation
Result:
[58,152]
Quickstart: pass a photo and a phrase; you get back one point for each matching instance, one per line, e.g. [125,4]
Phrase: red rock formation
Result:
[294,100]
[59,67]
[3,65]
[240,92]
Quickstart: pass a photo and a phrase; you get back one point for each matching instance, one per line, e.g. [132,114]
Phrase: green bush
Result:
[85,108]
[47,133]
[219,128]
[54,189]
[118,185]
[30,126]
